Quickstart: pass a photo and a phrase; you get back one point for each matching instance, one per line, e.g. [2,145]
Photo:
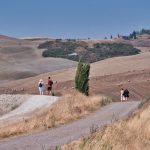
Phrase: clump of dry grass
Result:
[69,107]
[132,134]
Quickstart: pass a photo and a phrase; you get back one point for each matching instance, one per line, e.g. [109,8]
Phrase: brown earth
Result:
[106,77]
[21,59]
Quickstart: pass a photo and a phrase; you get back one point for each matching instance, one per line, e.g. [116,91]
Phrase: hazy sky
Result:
[73,18]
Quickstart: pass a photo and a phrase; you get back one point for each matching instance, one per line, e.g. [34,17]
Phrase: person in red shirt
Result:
[49,86]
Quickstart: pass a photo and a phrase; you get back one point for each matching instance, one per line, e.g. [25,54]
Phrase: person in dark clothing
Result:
[126,94]
[49,86]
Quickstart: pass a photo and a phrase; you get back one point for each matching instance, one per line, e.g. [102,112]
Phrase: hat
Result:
[40,80]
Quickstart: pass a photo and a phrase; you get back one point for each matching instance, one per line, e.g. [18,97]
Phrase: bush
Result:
[99,51]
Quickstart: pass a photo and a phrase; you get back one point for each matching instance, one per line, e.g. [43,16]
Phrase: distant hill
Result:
[21,58]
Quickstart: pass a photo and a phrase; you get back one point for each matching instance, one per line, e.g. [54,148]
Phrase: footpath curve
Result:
[32,103]
[67,133]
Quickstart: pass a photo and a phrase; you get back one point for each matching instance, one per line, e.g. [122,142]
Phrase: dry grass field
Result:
[131,134]
[69,107]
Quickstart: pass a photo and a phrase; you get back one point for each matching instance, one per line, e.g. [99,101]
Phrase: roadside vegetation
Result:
[131,134]
[68,108]
[73,50]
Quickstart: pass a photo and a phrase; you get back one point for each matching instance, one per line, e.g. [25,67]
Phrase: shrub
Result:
[98,52]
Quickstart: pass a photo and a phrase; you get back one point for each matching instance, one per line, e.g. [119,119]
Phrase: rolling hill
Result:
[21,59]
[106,76]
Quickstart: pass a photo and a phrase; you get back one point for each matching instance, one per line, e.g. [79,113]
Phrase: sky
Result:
[73,18]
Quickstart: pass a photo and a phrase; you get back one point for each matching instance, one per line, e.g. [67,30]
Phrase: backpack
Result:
[40,85]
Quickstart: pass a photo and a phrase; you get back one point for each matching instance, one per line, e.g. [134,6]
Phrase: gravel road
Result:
[67,133]
[9,102]
[31,103]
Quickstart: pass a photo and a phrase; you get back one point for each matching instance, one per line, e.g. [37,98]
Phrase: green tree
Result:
[133,35]
[82,77]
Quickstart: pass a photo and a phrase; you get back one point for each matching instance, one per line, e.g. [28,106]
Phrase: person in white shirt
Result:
[122,97]
[41,87]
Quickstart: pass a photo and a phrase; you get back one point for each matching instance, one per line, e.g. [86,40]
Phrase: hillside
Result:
[21,59]
[93,50]
[130,134]
[106,77]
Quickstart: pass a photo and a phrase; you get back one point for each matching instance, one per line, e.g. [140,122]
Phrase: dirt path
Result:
[31,104]
[9,102]
[61,135]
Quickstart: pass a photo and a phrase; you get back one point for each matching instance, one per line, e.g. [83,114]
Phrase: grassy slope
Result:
[68,108]
[132,134]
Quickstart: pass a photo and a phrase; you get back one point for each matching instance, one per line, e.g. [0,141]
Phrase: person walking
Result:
[41,87]
[122,96]
[49,86]
[126,94]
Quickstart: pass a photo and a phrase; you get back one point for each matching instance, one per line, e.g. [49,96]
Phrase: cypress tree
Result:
[82,77]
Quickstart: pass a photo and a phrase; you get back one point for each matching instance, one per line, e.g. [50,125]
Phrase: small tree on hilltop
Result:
[82,77]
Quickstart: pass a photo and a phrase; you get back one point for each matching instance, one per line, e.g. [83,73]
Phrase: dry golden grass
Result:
[132,134]
[69,107]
